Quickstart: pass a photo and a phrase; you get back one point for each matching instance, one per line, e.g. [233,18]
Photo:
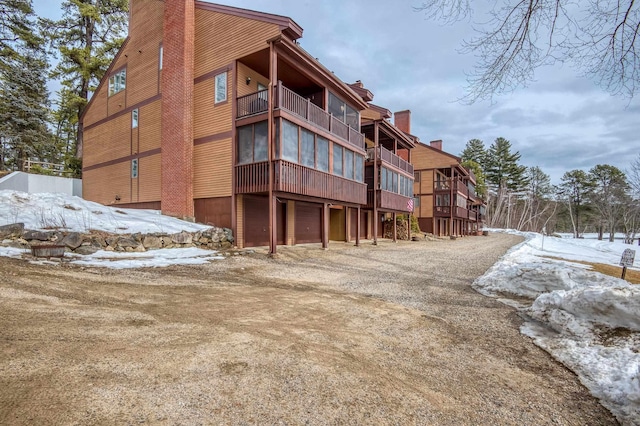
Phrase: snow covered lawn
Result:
[588,321]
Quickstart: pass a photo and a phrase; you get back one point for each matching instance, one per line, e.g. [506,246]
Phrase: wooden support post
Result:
[624,272]
[409,226]
[395,227]
[273,76]
[358,228]
[325,226]
[376,218]
[347,225]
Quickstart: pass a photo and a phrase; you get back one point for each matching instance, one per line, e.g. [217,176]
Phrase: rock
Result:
[228,234]
[151,242]
[182,238]
[127,242]
[37,235]
[13,230]
[73,240]
[86,250]
[137,237]
[112,241]
[226,245]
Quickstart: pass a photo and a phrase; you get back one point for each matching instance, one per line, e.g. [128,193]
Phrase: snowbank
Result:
[588,321]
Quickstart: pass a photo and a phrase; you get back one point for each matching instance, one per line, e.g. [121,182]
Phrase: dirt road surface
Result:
[387,334]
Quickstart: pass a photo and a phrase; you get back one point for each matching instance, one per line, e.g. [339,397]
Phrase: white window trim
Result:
[135,118]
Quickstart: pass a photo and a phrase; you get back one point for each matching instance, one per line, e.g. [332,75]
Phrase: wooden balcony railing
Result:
[390,158]
[390,201]
[255,103]
[288,100]
[297,179]
[441,185]
[252,178]
[461,188]
[445,211]
[473,215]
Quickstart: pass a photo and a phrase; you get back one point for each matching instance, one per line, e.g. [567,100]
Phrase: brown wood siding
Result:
[143,55]
[108,141]
[140,56]
[337,231]
[117,102]
[423,157]
[103,184]
[291,224]
[426,204]
[242,36]
[209,118]
[353,224]
[213,211]
[154,205]
[212,169]
[308,223]
[244,72]
[256,221]
[150,127]
[149,178]
[240,221]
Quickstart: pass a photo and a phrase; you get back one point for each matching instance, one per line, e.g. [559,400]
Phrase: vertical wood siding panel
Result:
[149,177]
[150,127]
[221,39]
[212,169]
[244,72]
[102,185]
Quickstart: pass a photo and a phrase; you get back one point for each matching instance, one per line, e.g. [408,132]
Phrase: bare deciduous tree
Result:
[599,37]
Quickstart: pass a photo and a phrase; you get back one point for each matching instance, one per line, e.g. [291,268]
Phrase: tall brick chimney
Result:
[177,108]
[402,120]
[436,144]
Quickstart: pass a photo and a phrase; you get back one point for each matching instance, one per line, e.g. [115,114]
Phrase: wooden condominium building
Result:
[446,203]
[215,114]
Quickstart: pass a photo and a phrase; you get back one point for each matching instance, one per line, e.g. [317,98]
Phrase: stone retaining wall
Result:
[15,235]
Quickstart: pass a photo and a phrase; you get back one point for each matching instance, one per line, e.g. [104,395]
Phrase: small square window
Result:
[221,87]
[134,118]
[117,82]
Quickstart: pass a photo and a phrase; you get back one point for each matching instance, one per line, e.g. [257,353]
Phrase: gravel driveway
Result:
[387,334]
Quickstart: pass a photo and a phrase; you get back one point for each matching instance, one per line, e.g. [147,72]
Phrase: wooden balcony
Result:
[390,201]
[291,102]
[473,215]
[392,159]
[445,211]
[296,179]
[461,188]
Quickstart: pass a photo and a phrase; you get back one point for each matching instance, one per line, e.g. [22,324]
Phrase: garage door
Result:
[308,223]
[256,221]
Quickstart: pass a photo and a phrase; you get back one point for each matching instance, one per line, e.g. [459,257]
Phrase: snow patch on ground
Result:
[588,321]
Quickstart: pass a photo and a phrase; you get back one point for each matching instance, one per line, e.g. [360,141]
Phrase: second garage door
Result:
[308,223]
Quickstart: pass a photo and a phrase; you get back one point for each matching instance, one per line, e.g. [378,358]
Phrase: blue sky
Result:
[560,122]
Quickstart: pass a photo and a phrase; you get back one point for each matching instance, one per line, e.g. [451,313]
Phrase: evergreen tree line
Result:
[603,199]
[81,44]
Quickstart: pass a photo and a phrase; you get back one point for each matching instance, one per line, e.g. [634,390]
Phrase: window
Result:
[416,201]
[161,57]
[289,141]
[134,168]
[348,164]
[117,82]
[252,143]
[359,168]
[443,200]
[322,154]
[308,149]
[343,112]
[221,87]
[134,118]
[338,152]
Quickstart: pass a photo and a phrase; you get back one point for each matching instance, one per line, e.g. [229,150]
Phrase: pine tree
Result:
[16,26]
[481,186]
[475,151]
[87,38]
[24,98]
[502,168]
